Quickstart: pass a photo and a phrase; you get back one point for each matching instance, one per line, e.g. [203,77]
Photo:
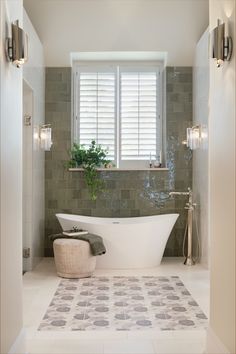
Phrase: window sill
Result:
[114,169]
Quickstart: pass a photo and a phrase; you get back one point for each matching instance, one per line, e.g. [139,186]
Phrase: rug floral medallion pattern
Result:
[123,303]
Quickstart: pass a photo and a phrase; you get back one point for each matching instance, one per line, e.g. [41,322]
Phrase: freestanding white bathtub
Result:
[137,242]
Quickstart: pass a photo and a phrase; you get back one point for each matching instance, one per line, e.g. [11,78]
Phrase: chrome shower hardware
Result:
[190,206]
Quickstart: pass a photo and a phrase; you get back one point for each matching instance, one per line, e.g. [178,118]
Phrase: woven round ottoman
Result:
[73,258]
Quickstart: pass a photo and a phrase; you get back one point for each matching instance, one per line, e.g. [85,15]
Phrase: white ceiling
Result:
[66,26]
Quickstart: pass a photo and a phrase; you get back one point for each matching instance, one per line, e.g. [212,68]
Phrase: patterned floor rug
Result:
[123,303]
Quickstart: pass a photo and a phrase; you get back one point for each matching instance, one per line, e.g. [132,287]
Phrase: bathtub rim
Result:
[115,221]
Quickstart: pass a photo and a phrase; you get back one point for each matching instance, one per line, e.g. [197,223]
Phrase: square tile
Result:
[179,346]
[129,347]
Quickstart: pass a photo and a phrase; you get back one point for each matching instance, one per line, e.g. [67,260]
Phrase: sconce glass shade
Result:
[46,137]
[197,137]
[193,138]
[17,46]
[222,46]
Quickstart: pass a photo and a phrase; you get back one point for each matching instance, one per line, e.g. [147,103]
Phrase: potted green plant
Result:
[90,159]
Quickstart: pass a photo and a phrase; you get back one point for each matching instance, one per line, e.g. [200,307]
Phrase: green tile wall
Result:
[128,193]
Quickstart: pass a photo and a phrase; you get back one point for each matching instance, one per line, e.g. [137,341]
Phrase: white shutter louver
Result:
[139,115]
[97,109]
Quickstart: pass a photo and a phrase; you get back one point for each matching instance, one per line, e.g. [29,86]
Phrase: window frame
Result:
[117,68]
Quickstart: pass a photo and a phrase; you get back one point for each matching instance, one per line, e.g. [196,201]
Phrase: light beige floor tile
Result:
[129,347]
[64,346]
[179,346]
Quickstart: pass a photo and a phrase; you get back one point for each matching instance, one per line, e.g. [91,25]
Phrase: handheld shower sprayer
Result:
[190,206]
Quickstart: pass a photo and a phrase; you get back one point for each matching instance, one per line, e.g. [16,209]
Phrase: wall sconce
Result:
[193,137]
[45,136]
[222,46]
[17,46]
[196,137]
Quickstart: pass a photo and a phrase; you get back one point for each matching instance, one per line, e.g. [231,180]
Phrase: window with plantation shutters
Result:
[96,109]
[120,108]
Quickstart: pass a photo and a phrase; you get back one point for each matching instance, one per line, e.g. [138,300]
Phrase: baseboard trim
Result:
[18,347]
[214,344]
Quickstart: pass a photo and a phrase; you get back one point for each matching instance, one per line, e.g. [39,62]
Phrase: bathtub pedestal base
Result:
[189,261]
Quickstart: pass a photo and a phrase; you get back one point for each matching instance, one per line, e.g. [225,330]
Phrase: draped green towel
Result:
[95,242]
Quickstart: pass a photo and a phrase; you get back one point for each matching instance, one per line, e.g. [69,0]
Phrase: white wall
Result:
[11,184]
[34,75]
[222,185]
[65,26]
[27,227]
[200,156]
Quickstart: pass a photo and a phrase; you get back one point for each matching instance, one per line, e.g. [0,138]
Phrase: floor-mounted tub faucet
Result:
[189,227]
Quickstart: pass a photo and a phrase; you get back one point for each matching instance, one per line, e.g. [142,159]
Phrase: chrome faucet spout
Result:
[179,193]
[189,193]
